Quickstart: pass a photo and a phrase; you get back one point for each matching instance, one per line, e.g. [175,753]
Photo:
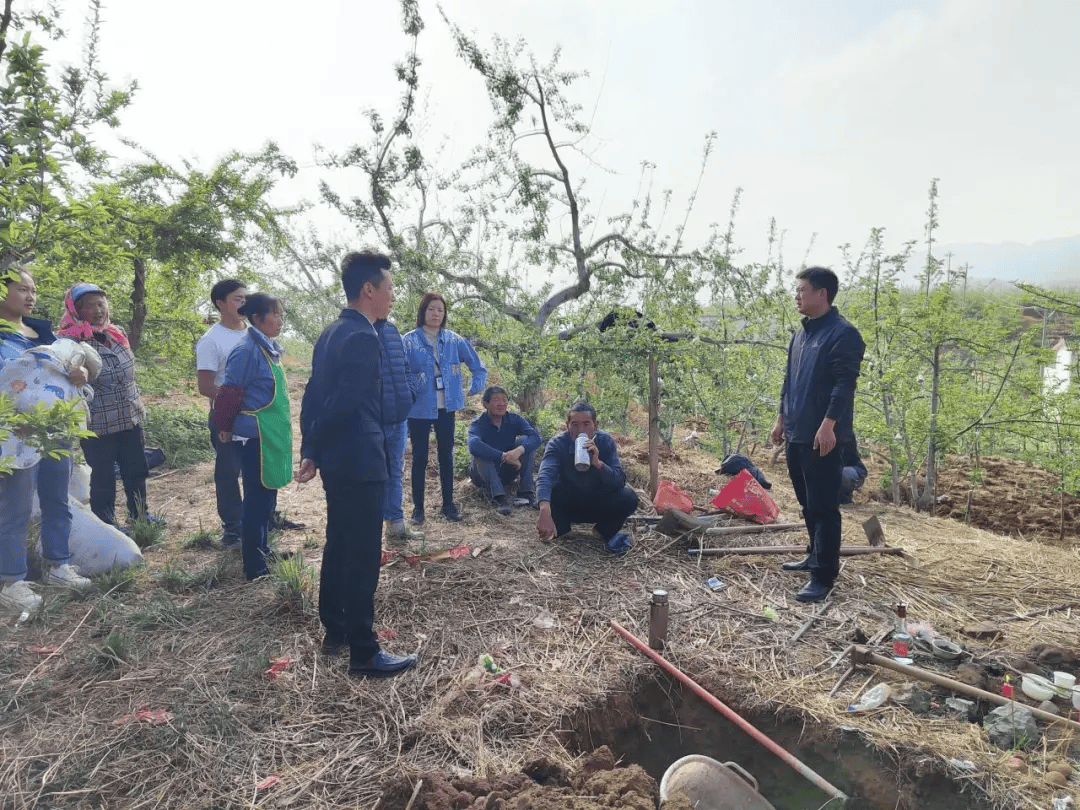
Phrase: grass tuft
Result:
[161,611]
[147,531]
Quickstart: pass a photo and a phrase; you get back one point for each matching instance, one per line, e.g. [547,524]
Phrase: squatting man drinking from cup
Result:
[598,494]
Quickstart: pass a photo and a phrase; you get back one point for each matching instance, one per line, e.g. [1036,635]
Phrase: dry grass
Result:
[201,654]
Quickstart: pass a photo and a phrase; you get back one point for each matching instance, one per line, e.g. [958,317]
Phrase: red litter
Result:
[277,666]
[387,632]
[268,782]
[745,498]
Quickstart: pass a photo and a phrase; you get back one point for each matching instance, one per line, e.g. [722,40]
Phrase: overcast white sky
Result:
[833,116]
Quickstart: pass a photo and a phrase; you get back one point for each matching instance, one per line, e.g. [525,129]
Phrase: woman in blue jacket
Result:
[18,332]
[436,356]
[253,402]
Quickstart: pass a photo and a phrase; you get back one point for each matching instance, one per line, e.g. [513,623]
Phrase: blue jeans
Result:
[230,504]
[16,497]
[259,504]
[395,436]
[492,478]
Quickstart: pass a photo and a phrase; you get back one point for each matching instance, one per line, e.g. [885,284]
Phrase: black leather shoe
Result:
[383,665]
[451,513]
[331,647]
[801,565]
[814,591]
[279,521]
[417,516]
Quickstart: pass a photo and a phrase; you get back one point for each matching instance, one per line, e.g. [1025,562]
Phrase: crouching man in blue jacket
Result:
[597,495]
[502,447]
[816,405]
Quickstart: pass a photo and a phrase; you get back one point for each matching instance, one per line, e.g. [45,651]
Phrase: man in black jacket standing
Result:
[816,405]
[341,420]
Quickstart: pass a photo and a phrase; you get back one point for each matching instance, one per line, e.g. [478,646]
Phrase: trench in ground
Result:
[660,722]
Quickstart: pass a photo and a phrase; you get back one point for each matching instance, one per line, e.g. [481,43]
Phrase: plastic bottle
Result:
[658,615]
[901,639]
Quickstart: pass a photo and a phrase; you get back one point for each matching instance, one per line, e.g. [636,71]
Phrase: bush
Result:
[181,433]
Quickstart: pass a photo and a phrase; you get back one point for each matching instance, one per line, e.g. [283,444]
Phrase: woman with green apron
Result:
[253,402]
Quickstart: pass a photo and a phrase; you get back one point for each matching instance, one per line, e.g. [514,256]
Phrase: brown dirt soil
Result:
[1014,498]
[541,785]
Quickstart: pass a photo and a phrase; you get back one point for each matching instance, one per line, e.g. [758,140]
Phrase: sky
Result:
[833,117]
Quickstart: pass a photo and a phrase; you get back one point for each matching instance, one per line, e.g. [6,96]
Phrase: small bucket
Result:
[713,785]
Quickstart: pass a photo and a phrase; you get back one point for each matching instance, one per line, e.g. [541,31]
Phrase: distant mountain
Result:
[1052,263]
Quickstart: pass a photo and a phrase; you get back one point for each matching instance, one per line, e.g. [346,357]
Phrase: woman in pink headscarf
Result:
[116,413]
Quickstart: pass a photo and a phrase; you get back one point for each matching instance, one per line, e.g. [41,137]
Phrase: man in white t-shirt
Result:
[211,352]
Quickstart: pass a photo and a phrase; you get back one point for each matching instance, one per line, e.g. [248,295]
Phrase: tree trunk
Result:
[138,303]
[926,500]
[654,425]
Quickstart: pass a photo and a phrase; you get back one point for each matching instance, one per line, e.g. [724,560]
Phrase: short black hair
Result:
[821,278]
[358,268]
[581,406]
[259,305]
[223,289]
[492,390]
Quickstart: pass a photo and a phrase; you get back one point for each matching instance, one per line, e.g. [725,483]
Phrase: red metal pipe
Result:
[731,714]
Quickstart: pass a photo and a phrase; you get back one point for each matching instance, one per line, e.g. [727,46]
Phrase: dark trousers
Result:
[350,565]
[259,504]
[125,449]
[816,480]
[227,466]
[419,435]
[608,511]
[495,479]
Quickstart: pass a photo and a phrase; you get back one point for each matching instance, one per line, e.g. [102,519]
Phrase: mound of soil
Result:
[1004,496]
[542,785]
[1012,498]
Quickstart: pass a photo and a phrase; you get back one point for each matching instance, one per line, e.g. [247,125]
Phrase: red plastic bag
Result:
[669,495]
[745,497]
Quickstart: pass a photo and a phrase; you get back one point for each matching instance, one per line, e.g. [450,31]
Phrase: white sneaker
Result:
[19,596]
[400,532]
[68,576]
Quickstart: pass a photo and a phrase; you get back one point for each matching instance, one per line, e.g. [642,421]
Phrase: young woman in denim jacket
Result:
[19,332]
[436,355]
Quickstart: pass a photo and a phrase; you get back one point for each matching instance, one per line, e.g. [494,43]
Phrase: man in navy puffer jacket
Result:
[399,393]
[816,404]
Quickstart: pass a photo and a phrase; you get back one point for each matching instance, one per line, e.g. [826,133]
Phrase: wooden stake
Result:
[845,551]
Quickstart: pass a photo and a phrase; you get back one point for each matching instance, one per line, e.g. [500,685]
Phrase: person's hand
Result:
[513,457]
[825,438]
[545,526]
[594,453]
[307,471]
[77,376]
[224,435]
[777,434]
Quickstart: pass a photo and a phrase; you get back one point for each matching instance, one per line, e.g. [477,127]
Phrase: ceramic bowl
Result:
[1037,687]
[946,650]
